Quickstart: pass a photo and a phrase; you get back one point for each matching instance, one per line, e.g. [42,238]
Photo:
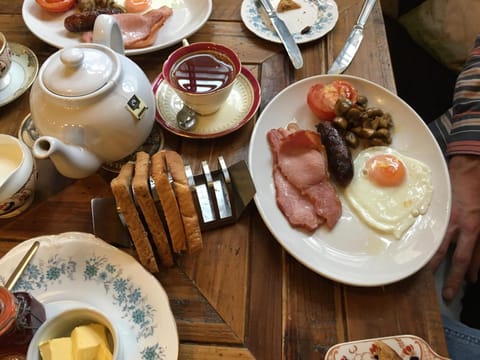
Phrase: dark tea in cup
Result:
[202,74]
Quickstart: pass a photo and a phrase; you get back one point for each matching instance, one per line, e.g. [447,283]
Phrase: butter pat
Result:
[104,353]
[86,342]
[56,349]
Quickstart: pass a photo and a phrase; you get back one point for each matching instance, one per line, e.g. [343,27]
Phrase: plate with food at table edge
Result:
[188,16]
[77,270]
[353,252]
[313,20]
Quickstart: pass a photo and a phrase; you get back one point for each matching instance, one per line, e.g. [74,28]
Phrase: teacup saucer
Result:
[238,109]
[22,73]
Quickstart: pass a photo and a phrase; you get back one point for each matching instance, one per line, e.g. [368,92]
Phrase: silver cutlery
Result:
[353,42]
[285,35]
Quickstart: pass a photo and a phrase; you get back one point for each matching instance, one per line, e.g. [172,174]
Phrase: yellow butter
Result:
[56,349]
[86,340]
[104,353]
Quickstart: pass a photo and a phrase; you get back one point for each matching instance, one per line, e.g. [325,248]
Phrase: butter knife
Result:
[285,35]
[354,40]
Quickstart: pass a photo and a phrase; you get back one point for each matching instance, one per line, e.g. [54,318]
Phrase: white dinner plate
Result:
[72,270]
[188,16]
[353,253]
[318,16]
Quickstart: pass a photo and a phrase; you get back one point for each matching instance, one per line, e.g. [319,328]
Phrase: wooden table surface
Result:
[242,296]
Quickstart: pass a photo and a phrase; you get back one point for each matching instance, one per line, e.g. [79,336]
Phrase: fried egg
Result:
[389,190]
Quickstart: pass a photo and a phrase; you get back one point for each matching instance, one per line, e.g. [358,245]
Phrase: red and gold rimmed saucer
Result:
[239,108]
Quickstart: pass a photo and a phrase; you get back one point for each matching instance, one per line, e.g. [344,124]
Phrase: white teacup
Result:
[202,74]
[18,176]
[5,61]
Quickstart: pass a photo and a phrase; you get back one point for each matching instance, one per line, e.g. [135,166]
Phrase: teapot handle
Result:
[107,32]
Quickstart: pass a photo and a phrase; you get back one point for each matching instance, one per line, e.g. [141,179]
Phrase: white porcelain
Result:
[319,16]
[352,252]
[83,103]
[62,325]
[23,71]
[187,18]
[204,103]
[236,111]
[78,270]
[18,176]
[5,62]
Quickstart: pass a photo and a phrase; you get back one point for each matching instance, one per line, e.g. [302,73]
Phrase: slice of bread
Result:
[168,201]
[121,189]
[176,168]
[285,5]
[143,197]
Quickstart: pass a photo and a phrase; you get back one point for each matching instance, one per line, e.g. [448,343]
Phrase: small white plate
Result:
[407,347]
[22,73]
[73,270]
[320,15]
[238,109]
[188,16]
[352,252]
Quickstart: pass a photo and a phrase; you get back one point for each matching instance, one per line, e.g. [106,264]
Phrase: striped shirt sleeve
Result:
[458,130]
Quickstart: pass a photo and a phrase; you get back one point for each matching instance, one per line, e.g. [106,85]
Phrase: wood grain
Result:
[242,296]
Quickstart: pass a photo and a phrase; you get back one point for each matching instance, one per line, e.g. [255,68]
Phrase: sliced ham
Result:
[297,208]
[304,192]
[138,30]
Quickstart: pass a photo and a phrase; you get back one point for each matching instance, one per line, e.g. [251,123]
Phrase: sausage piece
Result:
[340,161]
[84,20]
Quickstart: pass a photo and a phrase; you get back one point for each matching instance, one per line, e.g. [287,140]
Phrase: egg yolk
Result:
[385,170]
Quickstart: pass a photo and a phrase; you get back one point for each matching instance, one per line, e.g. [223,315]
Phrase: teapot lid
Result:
[80,70]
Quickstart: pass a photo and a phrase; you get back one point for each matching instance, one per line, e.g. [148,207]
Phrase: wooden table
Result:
[242,296]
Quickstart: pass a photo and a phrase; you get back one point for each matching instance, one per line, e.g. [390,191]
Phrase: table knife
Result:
[354,40]
[285,35]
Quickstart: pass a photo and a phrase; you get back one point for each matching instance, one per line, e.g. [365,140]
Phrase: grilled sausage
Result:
[340,161]
[84,20]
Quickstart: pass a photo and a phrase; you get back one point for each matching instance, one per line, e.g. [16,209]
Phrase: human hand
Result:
[463,231]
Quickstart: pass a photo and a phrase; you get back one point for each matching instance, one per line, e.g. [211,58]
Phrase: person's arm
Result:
[458,133]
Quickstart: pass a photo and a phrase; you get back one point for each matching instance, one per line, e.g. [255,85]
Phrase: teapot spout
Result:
[70,160]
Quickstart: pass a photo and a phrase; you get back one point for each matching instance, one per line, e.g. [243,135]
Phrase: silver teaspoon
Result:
[186,118]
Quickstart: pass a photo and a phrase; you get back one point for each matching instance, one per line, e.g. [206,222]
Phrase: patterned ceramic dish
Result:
[77,270]
[238,109]
[406,347]
[23,72]
[312,21]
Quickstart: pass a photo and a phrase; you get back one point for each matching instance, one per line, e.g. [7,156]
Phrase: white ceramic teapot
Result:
[91,104]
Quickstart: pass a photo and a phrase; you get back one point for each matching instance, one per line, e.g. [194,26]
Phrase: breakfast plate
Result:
[352,252]
[22,73]
[188,16]
[407,347]
[73,270]
[238,109]
[312,21]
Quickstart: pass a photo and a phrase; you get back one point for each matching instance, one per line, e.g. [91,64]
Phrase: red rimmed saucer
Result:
[239,108]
